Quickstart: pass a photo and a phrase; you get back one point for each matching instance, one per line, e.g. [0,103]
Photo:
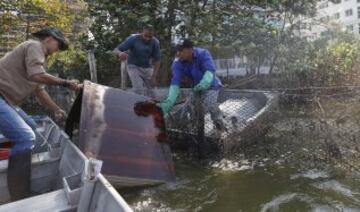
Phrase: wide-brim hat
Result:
[55,33]
[183,43]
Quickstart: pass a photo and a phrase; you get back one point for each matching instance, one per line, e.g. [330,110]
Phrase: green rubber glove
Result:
[169,102]
[205,82]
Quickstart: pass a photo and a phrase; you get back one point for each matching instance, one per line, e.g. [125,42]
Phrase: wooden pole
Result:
[123,74]
[92,66]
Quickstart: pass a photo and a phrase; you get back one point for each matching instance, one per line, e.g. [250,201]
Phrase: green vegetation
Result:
[19,18]
[242,26]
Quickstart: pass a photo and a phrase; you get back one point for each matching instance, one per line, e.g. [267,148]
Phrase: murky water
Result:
[207,188]
[294,168]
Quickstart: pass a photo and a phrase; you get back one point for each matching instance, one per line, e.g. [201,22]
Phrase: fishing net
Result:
[305,127]
[216,122]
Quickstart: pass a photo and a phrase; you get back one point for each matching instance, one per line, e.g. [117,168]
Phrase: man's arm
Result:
[47,102]
[121,49]
[207,62]
[48,79]
[209,72]
[174,90]
[116,51]
[121,55]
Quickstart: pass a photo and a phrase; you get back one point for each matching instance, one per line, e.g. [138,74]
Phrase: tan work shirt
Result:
[16,68]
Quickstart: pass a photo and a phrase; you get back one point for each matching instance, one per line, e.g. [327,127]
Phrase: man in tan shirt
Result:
[22,73]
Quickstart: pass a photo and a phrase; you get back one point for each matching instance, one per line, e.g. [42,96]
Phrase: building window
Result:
[336,1]
[337,15]
[350,28]
[358,12]
[349,12]
[359,28]
[358,1]
[325,5]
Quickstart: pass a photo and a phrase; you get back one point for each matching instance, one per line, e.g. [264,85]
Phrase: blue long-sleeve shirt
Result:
[201,62]
[140,51]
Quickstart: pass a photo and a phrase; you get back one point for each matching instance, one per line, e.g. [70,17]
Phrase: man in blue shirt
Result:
[142,51]
[196,64]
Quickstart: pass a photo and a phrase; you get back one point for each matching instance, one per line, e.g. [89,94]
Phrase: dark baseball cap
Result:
[184,43]
[55,33]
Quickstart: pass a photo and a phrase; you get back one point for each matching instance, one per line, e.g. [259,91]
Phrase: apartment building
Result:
[341,14]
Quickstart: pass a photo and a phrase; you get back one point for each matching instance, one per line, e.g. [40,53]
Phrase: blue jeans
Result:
[16,126]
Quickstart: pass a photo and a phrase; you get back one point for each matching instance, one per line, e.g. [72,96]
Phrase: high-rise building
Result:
[341,14]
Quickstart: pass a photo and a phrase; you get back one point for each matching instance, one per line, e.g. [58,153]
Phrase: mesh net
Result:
[311,128]
[216,121]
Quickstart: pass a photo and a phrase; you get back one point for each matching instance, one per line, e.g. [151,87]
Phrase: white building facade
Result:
[340,14]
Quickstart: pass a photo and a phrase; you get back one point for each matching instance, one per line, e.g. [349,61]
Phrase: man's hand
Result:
[201,87]
[169,102]
[60,115]
[165,106]
[72,84]
[123,56]
[205,82]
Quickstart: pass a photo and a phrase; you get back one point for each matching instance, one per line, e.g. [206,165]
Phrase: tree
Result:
[244,25]
[19,18]
[30,15]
